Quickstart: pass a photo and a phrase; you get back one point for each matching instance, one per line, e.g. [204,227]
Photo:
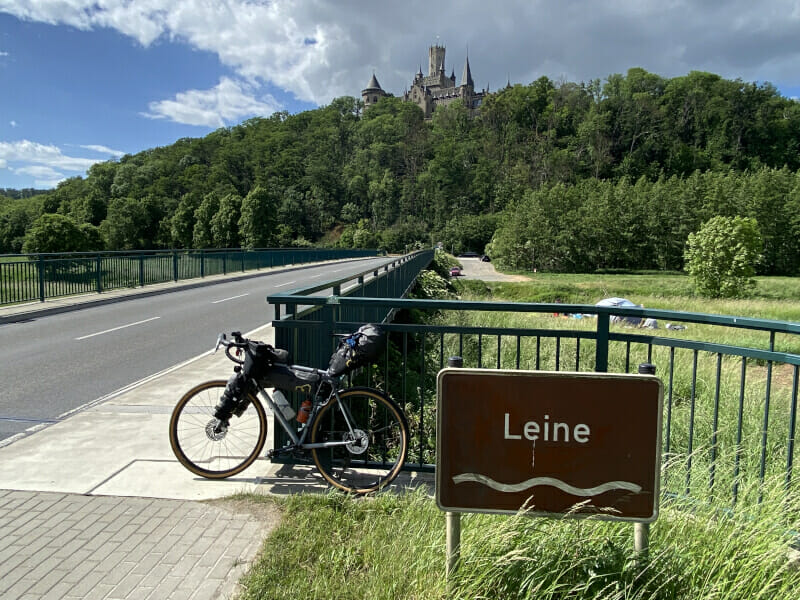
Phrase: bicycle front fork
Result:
[233,399]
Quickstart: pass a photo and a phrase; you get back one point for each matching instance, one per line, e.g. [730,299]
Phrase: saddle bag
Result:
[357,349]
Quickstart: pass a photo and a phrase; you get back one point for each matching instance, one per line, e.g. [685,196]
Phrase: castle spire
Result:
[466,78]
[373,83]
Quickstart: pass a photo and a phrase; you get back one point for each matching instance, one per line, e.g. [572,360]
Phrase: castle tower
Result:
[372,93]
[435,60]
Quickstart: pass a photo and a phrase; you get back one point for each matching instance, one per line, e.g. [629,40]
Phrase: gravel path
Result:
[474,268]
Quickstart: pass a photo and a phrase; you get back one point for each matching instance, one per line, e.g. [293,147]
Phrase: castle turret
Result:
[372,93]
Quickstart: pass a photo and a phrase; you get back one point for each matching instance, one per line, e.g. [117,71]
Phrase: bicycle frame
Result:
[298,441]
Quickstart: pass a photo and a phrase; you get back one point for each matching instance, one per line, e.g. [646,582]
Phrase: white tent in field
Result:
[634,321]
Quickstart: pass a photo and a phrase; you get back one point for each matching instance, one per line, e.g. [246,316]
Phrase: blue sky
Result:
[85,81]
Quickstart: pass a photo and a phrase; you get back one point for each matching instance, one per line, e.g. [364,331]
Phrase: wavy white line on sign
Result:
[551,481]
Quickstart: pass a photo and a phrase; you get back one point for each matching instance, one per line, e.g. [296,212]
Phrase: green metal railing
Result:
[314,317]
[730,408]
[31,277]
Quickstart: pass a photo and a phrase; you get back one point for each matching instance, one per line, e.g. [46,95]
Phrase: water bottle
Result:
[283,405]
[304,412]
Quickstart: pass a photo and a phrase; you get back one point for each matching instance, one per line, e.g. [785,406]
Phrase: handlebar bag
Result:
[357,349]
[261,357]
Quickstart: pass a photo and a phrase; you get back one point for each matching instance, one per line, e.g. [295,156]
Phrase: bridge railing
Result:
[730,405]
[31,277]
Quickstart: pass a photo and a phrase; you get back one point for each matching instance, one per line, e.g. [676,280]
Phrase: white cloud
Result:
[3,53]
[40,172]
[12,123]
[44,162]
[228,101]
[103,150]
[40,154]
[320,49]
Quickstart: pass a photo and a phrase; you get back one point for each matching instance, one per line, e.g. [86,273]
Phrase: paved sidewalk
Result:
[71,546]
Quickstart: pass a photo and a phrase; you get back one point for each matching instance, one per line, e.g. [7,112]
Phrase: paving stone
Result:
[208,589]
[129,583]
[58,591]
[72,546]
[140,593]
[166,587]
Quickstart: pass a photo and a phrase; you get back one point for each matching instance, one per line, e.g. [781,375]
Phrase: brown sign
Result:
[552,443]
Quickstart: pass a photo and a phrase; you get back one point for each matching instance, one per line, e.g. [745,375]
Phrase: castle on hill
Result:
[434,89]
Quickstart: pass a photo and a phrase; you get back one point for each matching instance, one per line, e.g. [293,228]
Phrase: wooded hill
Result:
[566,176]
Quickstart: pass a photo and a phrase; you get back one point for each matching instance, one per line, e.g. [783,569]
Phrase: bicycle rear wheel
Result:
[208,450]
[374,455]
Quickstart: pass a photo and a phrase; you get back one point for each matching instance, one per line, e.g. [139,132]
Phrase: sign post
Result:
[453,519]
[551,443]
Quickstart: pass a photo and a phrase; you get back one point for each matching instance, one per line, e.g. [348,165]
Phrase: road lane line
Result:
[136,384]
[83,337]
[287,283]
[231,298]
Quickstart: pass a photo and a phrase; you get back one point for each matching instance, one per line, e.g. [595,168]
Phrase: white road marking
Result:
[287,283]
[231,298]
[117,328]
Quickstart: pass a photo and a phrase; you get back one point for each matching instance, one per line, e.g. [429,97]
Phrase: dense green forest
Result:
[553,176]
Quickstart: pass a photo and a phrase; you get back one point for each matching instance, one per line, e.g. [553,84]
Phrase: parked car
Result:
[455,272]
[485,258]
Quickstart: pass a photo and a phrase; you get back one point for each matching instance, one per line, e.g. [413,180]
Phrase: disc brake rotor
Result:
[215,430]
[358,441]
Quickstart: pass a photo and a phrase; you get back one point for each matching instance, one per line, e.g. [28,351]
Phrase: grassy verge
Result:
[391,546]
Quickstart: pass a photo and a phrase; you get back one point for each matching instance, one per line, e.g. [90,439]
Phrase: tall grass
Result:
[393,546]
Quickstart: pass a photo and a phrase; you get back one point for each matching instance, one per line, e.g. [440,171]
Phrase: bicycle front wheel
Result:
[368,458]
[203,446]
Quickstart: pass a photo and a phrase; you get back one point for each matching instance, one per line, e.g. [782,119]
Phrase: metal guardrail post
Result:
[325,337]
[175,266]
[98,265]
[601,352]
[141,270]
[41,278]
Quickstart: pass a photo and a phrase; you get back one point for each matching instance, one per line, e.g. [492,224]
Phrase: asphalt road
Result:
[53,364]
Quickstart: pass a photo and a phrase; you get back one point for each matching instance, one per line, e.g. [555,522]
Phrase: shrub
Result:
[57,233]
[721,258]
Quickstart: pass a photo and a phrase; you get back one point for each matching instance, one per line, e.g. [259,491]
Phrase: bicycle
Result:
[357,436]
